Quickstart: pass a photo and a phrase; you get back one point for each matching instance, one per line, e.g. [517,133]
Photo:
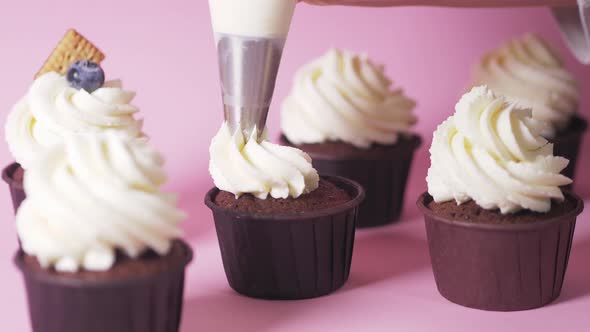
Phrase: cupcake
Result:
[100,240]
[284,232]
[344,114]
[65,99]
[530,72]
[499,227]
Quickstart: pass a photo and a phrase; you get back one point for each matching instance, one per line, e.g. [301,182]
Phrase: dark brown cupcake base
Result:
[500,266]
[143,302]
[327,195]
[568,143]
[382,170]
[13,176]
[288,257]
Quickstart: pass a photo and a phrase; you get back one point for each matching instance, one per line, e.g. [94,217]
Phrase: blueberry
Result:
[85,74]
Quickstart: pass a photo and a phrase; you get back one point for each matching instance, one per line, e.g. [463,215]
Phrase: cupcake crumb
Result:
[472,212]
[326,196]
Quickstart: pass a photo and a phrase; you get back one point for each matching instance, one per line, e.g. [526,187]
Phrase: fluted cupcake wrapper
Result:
[384,177]
[568,145]
[17,192]
[500,267]
[384,182]
[288,257]
[151,303]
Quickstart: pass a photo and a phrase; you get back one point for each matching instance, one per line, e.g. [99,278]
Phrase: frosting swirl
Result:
[52,109]
[491,151]
[345,97]
[93,195]
[260,167]
[528,71]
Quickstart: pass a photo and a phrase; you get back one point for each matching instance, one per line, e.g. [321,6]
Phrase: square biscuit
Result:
[71,48]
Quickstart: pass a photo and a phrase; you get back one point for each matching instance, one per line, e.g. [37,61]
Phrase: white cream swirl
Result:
[345,97]
[259,167]
[92,196]
[52,109]
[529,71]
[491,151]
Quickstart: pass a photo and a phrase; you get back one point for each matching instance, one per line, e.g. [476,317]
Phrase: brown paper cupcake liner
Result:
[384,176]
[17,192]
[288,257]
[149,303]
[568,144]
[500,267]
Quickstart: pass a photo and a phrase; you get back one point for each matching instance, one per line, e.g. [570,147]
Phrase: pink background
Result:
[164,50]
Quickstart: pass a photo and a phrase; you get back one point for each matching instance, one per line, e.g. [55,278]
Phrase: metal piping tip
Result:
[248,69]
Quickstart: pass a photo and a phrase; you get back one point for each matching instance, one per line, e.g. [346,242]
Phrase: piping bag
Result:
[575,26]
[250,36]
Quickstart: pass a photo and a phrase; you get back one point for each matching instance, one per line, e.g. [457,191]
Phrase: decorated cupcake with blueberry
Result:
[499,226]
[101,248]
[68,96]
[530,72]
[344,113]
[284,232]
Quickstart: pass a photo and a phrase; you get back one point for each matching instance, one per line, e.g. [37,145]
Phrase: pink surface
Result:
[164,51]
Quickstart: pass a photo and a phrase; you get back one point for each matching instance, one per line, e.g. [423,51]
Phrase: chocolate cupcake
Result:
[344,114]
[283,232]
[100,248]
[58,104]
[499,227]
[529,71]
[13,175]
